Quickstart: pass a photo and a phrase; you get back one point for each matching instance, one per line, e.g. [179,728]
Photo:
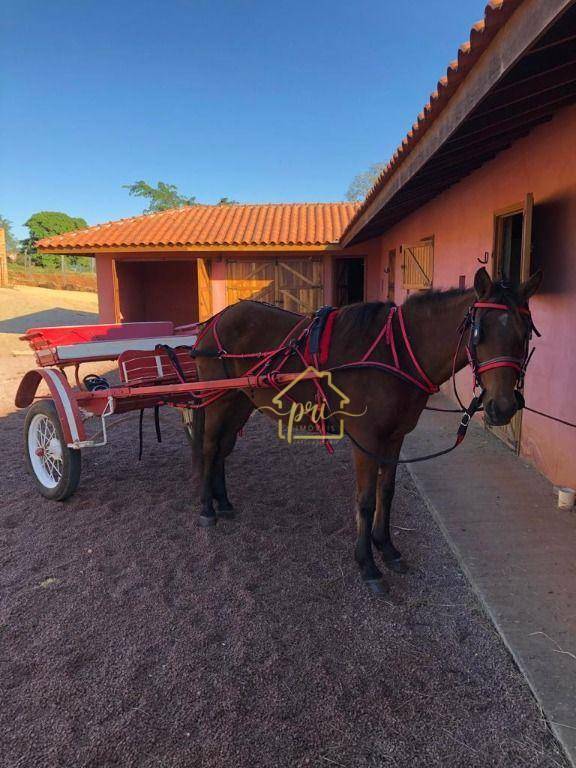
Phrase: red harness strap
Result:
[418,379]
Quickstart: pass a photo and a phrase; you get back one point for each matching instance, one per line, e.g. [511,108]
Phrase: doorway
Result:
[149,289]
[348,281]
[511,263]
[391,275]
[509,248]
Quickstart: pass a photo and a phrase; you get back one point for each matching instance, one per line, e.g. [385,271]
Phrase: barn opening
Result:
[348,281]
[157,290]
[509,251]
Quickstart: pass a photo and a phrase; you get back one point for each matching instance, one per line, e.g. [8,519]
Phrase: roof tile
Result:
[226,225]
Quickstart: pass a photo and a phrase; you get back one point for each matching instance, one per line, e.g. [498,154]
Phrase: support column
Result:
[107,288]
[218,282]
[328,270]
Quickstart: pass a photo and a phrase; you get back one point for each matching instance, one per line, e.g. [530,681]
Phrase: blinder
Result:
[476,331]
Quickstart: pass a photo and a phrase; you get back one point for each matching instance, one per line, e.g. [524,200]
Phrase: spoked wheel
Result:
[54,467]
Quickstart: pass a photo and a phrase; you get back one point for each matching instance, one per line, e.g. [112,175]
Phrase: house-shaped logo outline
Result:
[304,376]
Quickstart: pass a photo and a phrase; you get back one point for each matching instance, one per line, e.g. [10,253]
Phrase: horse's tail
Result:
[194,423]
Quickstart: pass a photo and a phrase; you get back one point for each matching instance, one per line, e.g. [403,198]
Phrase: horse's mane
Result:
[502,293]
[270,306]
[359,317]
[433,297]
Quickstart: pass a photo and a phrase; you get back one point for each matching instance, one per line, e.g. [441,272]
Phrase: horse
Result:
[383,407]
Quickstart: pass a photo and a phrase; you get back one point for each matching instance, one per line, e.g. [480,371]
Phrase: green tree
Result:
[363,182]
[162,197]
[45,224]
[11,242]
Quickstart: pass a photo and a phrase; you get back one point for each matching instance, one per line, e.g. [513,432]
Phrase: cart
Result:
[155,367]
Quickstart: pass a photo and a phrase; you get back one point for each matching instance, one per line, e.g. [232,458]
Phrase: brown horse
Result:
[390,405]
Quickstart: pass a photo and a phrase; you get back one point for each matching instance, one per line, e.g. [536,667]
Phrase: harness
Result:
[310,341]
[473,324]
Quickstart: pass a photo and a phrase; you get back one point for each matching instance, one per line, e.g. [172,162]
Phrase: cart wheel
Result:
[54,467]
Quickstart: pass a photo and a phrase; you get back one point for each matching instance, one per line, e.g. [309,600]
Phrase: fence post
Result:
[3,260]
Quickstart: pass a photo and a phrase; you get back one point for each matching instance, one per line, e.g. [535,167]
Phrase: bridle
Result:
[472,324]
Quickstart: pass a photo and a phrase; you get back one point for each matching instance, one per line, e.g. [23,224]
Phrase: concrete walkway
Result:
[518,549]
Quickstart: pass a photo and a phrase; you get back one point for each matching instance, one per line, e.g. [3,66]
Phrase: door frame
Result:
[526,209]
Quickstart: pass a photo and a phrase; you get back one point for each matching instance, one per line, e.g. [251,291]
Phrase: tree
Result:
[164,196]
[48,223]
[11,242]
[45,224]
[160,198]
[363,182]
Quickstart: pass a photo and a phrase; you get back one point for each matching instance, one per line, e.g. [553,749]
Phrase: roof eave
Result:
[519,33]
[94,250]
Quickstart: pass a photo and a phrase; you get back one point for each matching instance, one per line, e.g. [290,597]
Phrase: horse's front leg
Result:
[219,492]
[366,478]
[381,535]
[207,512]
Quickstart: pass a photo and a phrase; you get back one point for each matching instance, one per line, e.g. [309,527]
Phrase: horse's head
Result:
[499,339]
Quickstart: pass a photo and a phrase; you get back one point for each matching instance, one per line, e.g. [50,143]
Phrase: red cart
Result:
[155,368]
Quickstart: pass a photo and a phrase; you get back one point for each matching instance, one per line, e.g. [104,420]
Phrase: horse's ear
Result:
[531,285]
[483,284]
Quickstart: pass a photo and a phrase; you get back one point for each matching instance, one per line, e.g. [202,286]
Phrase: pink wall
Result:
[461,220]
[105,284]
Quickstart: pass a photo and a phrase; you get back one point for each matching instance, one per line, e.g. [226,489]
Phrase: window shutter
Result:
[418,265]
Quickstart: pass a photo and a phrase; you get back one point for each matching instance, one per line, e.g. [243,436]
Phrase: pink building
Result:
[487,174]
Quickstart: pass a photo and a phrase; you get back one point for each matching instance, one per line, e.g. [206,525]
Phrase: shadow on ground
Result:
[47,317]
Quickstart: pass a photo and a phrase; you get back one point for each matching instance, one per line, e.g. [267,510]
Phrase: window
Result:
[418,265]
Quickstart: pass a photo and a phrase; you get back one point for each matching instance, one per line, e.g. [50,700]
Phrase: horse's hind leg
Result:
[222,421]
[366,477]
[239,414]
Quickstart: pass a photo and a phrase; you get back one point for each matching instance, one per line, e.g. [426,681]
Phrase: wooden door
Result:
[300,285]
[296,285]
[204,290]
[250,280]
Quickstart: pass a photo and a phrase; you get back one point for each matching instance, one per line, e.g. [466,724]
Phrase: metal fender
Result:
[63,396]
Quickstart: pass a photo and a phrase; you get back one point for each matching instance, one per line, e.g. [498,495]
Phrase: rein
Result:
[472,323]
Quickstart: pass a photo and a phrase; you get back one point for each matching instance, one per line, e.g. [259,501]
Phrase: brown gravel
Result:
[129,637]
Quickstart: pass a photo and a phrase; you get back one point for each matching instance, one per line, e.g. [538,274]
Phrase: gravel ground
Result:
[129,637]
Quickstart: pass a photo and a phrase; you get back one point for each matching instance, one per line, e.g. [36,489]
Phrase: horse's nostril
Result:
[501,413]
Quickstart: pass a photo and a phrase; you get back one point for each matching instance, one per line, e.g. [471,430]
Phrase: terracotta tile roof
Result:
[496,14]
[226,225]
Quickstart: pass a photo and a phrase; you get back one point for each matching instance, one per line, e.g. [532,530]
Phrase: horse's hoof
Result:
[226,514]
[205,521]
[398,565]
[376,586]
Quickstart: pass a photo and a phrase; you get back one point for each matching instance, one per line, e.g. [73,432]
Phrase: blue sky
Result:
[257,100]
